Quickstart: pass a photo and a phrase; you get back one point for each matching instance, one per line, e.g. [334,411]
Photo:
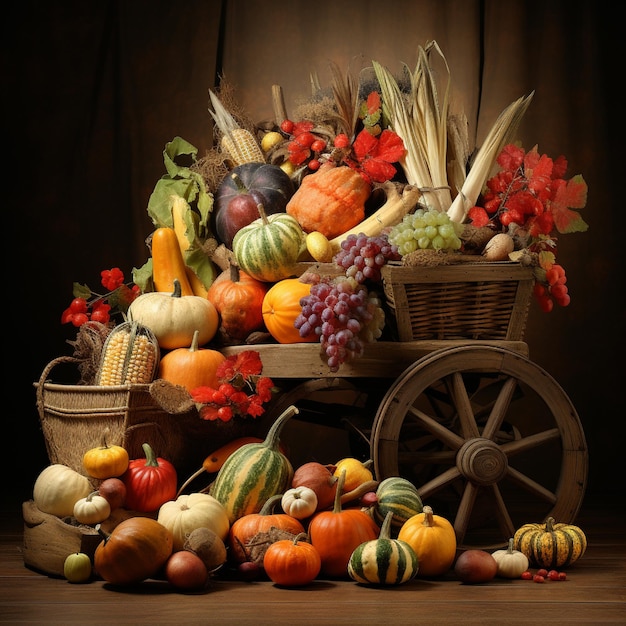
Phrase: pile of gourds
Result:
[376,533]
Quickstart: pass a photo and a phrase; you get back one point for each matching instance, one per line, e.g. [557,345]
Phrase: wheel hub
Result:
[482,462]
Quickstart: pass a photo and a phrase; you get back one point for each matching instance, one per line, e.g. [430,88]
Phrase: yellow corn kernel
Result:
[130,356]
[242,147]
[239,144]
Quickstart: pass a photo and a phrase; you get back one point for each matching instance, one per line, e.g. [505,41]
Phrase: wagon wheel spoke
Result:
[441,481]
[500,408]
[502,513]
[461,521]
[461,401]
[531,441]
[531,486]
[442,433]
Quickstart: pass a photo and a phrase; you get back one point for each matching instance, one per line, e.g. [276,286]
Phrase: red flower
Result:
[112,279]
[241,389]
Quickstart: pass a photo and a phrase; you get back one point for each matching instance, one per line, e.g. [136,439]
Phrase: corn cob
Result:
[130,356]
[239,144]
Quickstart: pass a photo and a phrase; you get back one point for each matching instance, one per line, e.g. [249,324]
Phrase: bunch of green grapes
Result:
[425,229]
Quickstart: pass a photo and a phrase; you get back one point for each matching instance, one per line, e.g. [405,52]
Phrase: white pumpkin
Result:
[93,509]
[196,510]
[174,318]
[58,488]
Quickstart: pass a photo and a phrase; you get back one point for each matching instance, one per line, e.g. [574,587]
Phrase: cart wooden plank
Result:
[381,359]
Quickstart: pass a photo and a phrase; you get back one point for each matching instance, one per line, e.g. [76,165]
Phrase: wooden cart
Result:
[489,438]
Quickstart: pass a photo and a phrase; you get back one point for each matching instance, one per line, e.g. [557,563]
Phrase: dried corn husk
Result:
[420,120]
[429,131]
[501,133]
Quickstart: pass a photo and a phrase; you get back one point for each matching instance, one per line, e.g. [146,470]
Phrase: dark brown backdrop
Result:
[94,90]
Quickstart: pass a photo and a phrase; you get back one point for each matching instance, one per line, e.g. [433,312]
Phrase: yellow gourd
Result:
[357,472]
[433,539]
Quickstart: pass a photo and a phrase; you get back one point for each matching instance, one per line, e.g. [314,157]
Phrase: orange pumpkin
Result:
[337,533]
[331,201]
[191,367]
[281,307]
[245,528]
[238,298]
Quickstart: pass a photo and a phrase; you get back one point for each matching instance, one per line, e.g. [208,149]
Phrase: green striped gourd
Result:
[383,561]
[254,473]
[552,544]
[399,496]
[268,248]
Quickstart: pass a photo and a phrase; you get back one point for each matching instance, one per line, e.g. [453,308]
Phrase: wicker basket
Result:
[74,417]
[482,300]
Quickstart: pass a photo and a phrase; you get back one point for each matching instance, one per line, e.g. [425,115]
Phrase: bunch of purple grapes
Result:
[362,256]
[344,315]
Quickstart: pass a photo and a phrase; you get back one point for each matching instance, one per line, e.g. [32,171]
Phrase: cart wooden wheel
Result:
[490,440]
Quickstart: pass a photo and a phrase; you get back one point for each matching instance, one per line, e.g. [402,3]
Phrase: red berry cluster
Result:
[235,375]
[304,146]
[553,290]
[541,575]
[88,305]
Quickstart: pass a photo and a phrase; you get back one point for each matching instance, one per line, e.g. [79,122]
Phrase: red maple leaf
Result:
[374,155]
[569,195]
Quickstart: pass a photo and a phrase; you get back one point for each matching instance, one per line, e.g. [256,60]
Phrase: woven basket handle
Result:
[44,377]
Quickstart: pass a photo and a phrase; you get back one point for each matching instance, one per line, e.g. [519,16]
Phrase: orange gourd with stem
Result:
[337,533]
[191,367]
[292,562]
[238,299]
[246,527]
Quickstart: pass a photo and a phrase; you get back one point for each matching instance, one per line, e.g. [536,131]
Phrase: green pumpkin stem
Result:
[385,529]
[550,525]
[270,503]
[272,438]
[151,458]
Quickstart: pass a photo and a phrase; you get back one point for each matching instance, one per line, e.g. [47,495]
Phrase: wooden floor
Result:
[594,593]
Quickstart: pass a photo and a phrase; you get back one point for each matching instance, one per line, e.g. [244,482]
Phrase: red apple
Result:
[239,212]
[113,490]
[185,570]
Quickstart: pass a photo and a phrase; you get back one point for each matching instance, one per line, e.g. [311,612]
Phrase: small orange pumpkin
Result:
[246,527]
[106,461]
[238,299]
[281,307]
[191,367]
[292,562]
[331,200]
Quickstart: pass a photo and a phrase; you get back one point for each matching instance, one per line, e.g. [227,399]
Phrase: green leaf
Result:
[174,156]
[81,291]
[142,277]
[178,156]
